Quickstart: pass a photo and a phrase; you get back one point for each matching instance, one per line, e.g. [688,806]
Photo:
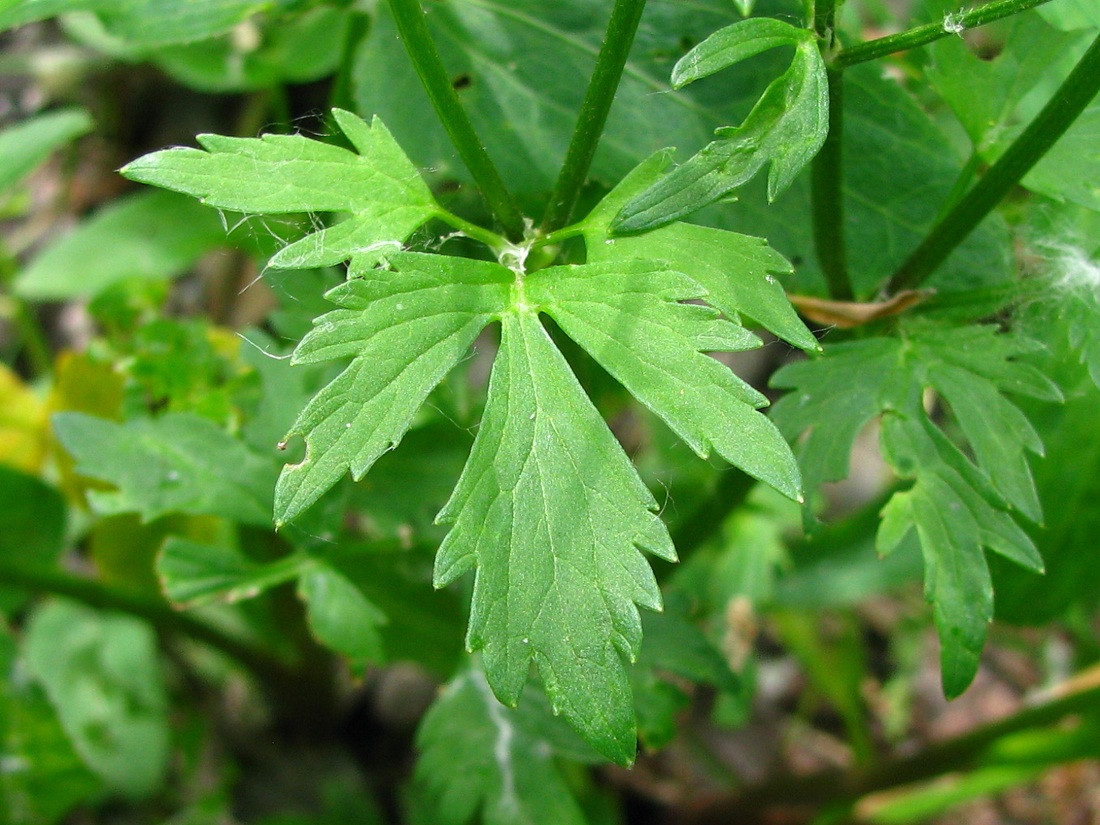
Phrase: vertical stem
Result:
[409,17]
[826,173]
[593,115]
[827,197]
[1051,123]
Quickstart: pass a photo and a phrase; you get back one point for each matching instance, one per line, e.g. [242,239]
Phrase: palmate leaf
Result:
[279,174]
[549,509]
[958,506]
[785,128]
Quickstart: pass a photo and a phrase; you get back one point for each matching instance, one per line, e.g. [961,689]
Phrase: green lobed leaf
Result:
[178,463]
[628,316]
[785,128]
[477,756]
[738,272]
[405,330]
[27,144]
[151,235]
[102,676]
[552,514]
[957,506]
[276,174]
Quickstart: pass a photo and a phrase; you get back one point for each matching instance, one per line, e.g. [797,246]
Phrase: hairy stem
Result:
[593,115]
[409,17]
[953,24]
[833,786]
[266,668]
[1051,123]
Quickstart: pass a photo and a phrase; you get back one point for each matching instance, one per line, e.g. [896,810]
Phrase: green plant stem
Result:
[409,17]
[827,198]
[1051,123]
[266,668]
[953,24]
[593,115]
[833,786]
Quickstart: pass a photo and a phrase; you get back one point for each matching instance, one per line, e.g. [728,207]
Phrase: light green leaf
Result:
[276,174]
[1069,483]
[786,127]
[178,463]
[477,756]
[151,235]
[147,22]
[340,616]
[957,506]
[27,144]
[738,272]
[102,676]
[552,514]
[628,316]
[193,574]
[405,330]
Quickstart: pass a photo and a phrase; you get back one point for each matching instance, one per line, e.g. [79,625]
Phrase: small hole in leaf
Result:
[463,81]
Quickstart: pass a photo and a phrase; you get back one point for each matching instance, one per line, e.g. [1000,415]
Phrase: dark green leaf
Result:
[340,616]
